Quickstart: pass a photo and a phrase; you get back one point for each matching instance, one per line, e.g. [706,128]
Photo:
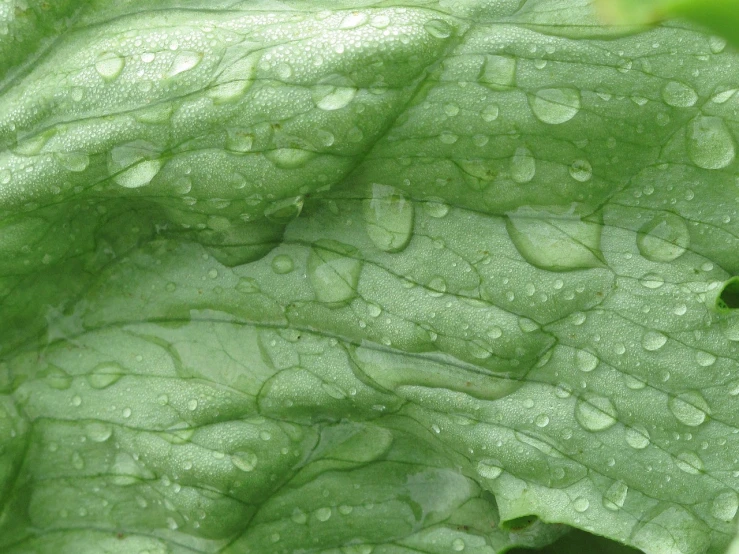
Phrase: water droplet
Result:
[333,272]
[109,65]
[282,264]
[710,144]
[388,217]
[234,81]
[689,462]
[73,161]
[523,165]
[490,112]
[435,207]
[183,61]
[581,504]
[555,242]
[542,420]
[331,98]
[498,73]
[637,437]
[690,408]
[131,165]
[716,44]
[458,545]
[555,105]
[730,328]
[126,412]
[298,516]
[581,170]
[323,514]
[615,496]
[451,109]
[652,281]
[104,375]
[5,176]
[285,210]
[354,20]
[437,287]
[705,359]
[438,28]
[76,401]
[244,460]
[663,238]
[239,140]
[725,506]
[289,158]
[595,413]
[489,468]
[679,95]
[98,431]
[247,285]
[380,21]
[652,341]
[586,361]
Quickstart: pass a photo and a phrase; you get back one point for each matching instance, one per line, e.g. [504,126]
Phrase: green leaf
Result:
[365,278]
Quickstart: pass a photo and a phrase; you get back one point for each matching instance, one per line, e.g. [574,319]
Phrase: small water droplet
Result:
[595,413]
[555,105]
[247,285]
[298,516]
[438,28]
[330,98]
[285,210]
[690,408]
[183,61]
[435,207]
[73,161]
[523,165]
[653,340]
[581,170]
[109,65]
[710,144]
[104,375]
[354,20]
[705,359]
[652,281]
[323,514]
[615,497]
[716,44]
[239,140]
[489,468]
[730,328]
[498,73]
[679,95]
[282,264]
[388,217]
[581,504]
[725,506]
[586,361]
[98,431]
[663,238]
[542,420]
[244,460]
[689,462]
[289,158]
[192,404]
[458,545]
[637,437]
[490,112]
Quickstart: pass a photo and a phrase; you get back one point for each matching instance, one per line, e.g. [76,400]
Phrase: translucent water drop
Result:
[354,20]
[652,281]
[239,140]
[139,175]
[282,264]
[235,81]
[653,340]
[555,242]
[595,413]
[689,462]
[710,144]
[730,328]
[637,437]
[244,460]
[333,272]
[73,161]
[498,73]
[435,207]
[581,504]
[586,361]
[289,158]
[705,359]
[131,165]
[388,217]
[192,404]
[323,514]
[523,165]
[679,95]
[298,516]
[109,65]
[725,506]
[285,210]
[458,545]
[717,44]
[247,285]
[5,176]
[581,170]
[489,468]
[330,98]
[183,61]
[98,431]
[615,497]
[542,420]
[380,21]
[555,105]
[490,112]
[663,238]
[437,286]
[690,408]
[438,28]
[105,375]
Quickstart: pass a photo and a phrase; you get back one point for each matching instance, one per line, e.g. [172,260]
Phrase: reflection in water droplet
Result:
[663,238]
[595,413]
[555,105]
[333,271]
[523,166]
[690,408]
[489,468]
[710,144]
[109,65]
[679,95]
[388,217]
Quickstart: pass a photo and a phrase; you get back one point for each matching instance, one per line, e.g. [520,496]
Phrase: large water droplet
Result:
[653,340]
[139,175]
[498,73]
[679,95]
[333,272]
[438,28]
[556,242]
[663,238]
[234,81]
[239,140]
[109,65]
[725,506]
[98,431]
[183,61]
[105,375]
[131,165]
[637,437]
[73,161]
[690,408]
[285,210]
[586,361]
[523,165]
[489,468]
[354,20]
[595,413]
[555,105]
[615,496]
[710,144]
[244,460]
[388,216]
[689,462]
[331,98]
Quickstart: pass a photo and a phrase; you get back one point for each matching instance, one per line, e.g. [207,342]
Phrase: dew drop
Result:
[104,375]
[652,281]
[388,217]
[689,462]
[595,413]
[458,545]
[690,408]
[183,61]
[289,158]
[490,112]
[298,516]
[581,504]
[285,210]
[637,437]
[586,361]
[716,44]
[354,20]
[109,65]
[330,98]
[523,165]
[323,514]
[679,95]
[498,73]
[239,140]
[705,359]
[542,420]
[663,238]
[555,105]
[653,341]
[244,460]
[615,496]
[730,328]
[73,161]
[247,285]
[710,144]
[438,28]
[489,468]
[435,207]
[725,506]
[581,170]
[98,431]
[282,264]
[333,272]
